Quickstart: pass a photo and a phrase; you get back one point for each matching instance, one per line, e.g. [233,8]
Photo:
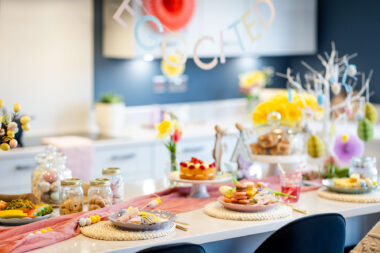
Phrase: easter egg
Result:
[54,186]
[44,186]
[365,130]
[335,88]
[88,221]
[370,113]
[82,222]
[315,146]
[54,196]
[50,176]
[13,143]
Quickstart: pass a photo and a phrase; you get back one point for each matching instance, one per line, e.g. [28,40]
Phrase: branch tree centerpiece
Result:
[338,77]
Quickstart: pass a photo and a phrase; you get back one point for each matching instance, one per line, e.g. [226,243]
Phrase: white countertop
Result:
[203,228]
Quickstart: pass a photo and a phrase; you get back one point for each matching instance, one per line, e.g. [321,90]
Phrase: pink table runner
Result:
[16,239]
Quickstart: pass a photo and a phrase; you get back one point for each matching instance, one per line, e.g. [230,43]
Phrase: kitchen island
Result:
[218,235]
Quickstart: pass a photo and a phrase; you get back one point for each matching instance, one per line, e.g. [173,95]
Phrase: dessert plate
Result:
[219,178]
[23,221]
[246,208]
[171,217]
[329,184]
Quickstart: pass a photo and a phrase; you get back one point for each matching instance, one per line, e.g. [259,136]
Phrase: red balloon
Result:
[174,14]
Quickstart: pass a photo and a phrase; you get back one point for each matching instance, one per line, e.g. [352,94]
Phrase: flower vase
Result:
[173,161]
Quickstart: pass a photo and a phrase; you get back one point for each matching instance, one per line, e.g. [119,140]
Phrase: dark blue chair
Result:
[321,233]
[174,248]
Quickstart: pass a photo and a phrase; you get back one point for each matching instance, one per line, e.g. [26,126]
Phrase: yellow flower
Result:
[164,129]
[17,108]
[171,71]
[291,112]
[1,103]
[254,78]
[5,146]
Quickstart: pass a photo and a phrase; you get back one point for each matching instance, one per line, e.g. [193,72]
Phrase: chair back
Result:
[321,233]
[174,248]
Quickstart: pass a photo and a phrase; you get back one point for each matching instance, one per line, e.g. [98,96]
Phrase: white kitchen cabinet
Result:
[16,173]
[292,32]
[134,160]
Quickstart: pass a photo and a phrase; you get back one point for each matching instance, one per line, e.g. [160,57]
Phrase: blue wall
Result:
[352,24]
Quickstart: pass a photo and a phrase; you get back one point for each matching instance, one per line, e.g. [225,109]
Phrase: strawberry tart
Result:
[196,169]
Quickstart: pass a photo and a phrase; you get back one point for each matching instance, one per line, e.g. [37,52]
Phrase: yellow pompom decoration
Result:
[25,120]
[17,108]
[93,219]
[345,138]
[10,134]
[370,113]
[169,70]
[5,146]
[315,146]
[25,127]
[1,103]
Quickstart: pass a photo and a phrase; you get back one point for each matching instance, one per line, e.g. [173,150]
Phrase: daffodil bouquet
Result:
[250,83]
[9,127]
[171,130]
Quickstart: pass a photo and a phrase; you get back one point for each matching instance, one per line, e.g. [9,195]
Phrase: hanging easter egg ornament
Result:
[347,146]
[290,95]
[336,88]
[315,146]
[365,130]
[352,71]
[370,113]
[320,99]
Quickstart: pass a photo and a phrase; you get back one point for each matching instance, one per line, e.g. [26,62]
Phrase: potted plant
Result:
[109,112]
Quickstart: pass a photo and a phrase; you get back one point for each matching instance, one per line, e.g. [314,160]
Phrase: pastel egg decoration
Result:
[44,186]
[347,146]
[51,176]
[315,146]
[336,88]
[365,130]
[370,113]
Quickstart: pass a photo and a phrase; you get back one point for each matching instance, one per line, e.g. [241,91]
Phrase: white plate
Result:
[171,217]
[224,177]
[246,208]
[23,221]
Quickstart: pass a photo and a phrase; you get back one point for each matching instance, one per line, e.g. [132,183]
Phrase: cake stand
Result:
[199,189]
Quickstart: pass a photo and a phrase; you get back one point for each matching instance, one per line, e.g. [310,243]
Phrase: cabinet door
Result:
[16,175]
[135,162]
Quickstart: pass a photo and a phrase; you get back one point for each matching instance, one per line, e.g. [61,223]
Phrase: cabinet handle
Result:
[123,157]
[24,167]
[193,149]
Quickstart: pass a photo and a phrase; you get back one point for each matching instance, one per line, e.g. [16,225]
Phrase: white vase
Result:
[110,118]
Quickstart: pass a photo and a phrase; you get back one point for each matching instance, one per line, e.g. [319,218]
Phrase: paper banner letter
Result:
[249,25]
[272,12]
[234,26]
[198,62]
[181,53]
[124,6]
[222,57]
[153,37]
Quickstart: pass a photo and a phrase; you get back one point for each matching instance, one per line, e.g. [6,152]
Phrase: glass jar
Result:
[365,167]
[117,183]
[71,197]
[36,174]
[276,139]
[49,184]
[99,194]
[60,165]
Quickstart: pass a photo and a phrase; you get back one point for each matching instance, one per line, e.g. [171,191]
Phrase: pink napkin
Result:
[79,152]
[16,239]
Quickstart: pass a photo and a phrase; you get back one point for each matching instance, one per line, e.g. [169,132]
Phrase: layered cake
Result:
[196,169]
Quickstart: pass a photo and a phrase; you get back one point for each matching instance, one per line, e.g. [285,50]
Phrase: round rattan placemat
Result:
[372,197]
[105,230]
[216,210]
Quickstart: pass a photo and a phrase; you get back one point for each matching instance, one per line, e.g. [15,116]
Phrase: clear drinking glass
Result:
[291,184]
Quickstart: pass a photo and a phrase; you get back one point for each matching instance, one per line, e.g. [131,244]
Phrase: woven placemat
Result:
[216,210]
[373,197]
[105,230]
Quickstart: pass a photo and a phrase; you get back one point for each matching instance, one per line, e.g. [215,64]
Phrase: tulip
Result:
[176,137]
